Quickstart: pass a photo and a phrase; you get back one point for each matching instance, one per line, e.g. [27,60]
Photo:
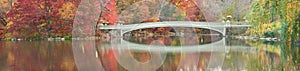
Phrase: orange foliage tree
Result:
[189,7]
[4,7]
[35,18]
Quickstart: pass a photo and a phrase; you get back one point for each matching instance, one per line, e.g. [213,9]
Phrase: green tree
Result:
[264,13]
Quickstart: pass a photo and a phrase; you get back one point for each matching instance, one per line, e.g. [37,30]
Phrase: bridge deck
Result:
[176,24]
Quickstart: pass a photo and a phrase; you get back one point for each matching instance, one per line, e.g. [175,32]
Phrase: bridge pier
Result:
[121,33]
[224,32]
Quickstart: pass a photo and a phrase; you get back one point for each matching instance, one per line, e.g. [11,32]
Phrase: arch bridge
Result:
[216,26]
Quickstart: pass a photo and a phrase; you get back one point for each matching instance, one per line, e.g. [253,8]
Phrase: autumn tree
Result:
[86,18]
[68,10]
[66,18]
[5,6]
[109,11]
[56,25]
[33,18]
[190,9]
[217,10]
[108,15]
[140,11]
[26,16]
[37,18]
[279,13]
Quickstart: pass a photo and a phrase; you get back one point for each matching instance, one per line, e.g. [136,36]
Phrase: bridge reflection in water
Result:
[154,57]
[217,51]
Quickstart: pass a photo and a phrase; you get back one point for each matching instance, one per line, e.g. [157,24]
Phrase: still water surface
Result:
[149,54]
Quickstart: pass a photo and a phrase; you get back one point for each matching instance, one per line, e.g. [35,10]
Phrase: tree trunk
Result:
[2,20]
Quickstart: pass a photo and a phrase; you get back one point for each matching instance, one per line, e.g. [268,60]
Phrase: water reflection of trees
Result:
[58,56]
[3,55]
[37,56]
[274,56]
[173,36]
[255,60]
[200,61]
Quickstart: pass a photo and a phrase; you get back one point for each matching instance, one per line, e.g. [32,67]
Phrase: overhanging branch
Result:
[3,21]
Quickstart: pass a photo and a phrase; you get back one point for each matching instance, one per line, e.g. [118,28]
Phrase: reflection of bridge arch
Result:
[205,47]
[220,45]
[219,27]
[217,56]
[124,46]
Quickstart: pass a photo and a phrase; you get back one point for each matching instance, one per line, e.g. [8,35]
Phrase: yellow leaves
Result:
[9,23]
[4,2]
[174,43]
[277,25]
[42,5]
[266,11]
[289,6]
[42,25]
[177,3]
[4,5]
[298,6]
[179,12]
[68,10]
[291,11]
[183,13]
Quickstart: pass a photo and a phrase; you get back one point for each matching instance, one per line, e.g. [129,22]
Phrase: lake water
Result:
[159,53]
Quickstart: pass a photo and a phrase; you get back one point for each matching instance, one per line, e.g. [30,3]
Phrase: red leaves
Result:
[110,12]
[44,17]
[2,32]
[109,60]
[25,15]
[38,16]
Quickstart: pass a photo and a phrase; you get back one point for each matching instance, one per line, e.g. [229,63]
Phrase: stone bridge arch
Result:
[215,26]
[190,24]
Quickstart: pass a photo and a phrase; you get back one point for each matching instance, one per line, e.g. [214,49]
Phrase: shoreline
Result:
[258,38]
[105,37]
[52,39]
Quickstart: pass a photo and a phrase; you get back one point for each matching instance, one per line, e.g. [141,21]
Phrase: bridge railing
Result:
[202,24]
